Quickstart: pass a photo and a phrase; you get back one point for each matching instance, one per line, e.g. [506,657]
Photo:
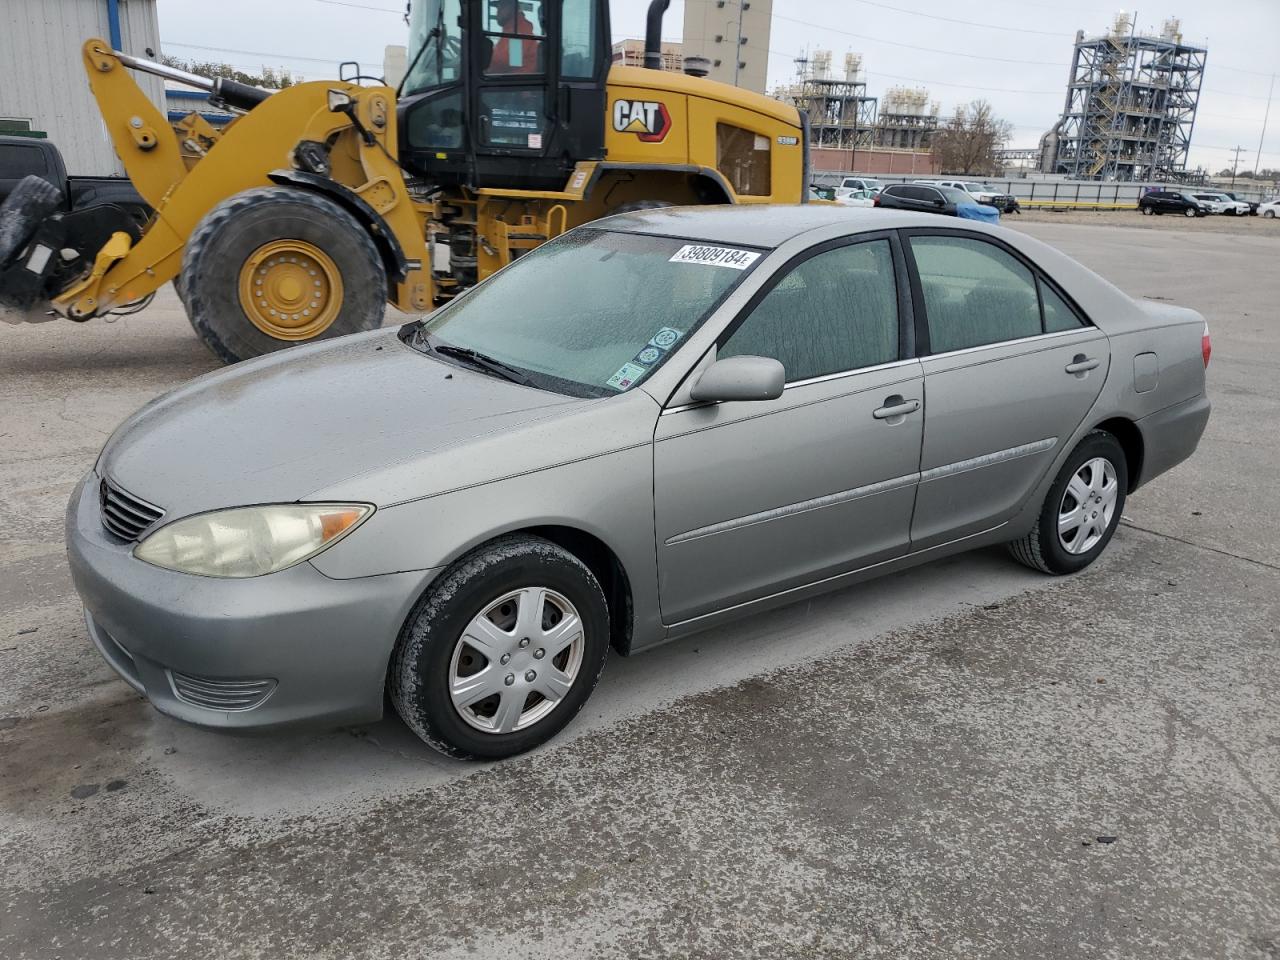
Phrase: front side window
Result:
[834,312]
[592,313]
[743,157]
[435,44]
[974,293]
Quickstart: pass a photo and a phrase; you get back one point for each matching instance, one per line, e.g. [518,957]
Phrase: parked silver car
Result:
[650,426]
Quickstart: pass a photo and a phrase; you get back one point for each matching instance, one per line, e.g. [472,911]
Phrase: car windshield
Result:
[977,188]
[590,314]
[955,196]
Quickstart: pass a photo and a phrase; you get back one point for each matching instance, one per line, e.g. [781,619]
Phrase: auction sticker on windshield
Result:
[627,374]
[715,256]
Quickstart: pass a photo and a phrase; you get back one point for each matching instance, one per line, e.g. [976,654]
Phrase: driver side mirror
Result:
[740,378]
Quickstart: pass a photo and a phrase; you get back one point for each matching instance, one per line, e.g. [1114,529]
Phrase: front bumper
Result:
[291,647]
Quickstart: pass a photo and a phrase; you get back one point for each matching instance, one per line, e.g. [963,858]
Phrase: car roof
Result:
[763,225]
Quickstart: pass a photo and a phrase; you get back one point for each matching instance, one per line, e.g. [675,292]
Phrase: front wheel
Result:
[1191,212]
[502,651]
[275,266]
[1082,509]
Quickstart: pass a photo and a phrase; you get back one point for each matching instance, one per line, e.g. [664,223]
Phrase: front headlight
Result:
[250,541]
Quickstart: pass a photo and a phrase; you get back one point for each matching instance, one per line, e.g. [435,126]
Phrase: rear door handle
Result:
[1082,364]
[895,407]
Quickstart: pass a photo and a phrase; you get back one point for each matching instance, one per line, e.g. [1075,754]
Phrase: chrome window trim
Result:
[1004,343]
[825,378]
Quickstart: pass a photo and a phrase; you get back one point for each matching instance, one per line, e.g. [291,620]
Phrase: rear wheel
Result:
[1147,211]
[1081,510]
[1268,214]
[22,212]
[275,266]
[502,651]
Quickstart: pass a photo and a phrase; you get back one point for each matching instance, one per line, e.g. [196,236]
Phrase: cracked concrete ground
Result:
[917,767]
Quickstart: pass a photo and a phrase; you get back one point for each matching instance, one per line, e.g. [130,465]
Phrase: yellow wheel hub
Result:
[290,290]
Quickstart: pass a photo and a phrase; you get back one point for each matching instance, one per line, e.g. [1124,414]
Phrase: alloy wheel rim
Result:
[1088,506]
[290,290]
[516,660]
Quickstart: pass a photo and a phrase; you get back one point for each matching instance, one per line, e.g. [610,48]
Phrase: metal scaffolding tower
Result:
[841,115]
[1131,105]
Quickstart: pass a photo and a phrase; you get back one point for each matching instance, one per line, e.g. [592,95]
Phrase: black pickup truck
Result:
[23,156]
[52,225]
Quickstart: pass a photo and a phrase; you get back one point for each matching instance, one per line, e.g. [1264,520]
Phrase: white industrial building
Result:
[43,87]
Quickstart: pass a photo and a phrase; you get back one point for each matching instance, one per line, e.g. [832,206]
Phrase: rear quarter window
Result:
[20,160]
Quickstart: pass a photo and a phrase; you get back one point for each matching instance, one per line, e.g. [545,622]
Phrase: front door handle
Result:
[895,408]
[1082,364]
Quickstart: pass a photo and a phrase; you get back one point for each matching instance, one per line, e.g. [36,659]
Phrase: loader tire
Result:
[22,212]
[276,266]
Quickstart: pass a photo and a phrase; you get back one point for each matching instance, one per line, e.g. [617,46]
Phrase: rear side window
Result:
[834,312]
[18,161]
[1057,315]
[974,293]
[743,157]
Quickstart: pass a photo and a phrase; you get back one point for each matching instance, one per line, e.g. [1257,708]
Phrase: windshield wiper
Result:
[483,361]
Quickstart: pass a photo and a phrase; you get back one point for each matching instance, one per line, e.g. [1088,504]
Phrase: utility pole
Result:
[1237,151]
[1265,117]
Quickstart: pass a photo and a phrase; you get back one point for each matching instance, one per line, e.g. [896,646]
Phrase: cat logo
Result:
[647,119]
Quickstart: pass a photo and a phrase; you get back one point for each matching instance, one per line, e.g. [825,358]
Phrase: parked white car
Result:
[870,184]
[1270,209]
[854,198]
[1221,203]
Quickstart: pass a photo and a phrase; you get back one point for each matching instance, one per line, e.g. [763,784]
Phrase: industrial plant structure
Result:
[907,120]
[841,114]
[1130,108]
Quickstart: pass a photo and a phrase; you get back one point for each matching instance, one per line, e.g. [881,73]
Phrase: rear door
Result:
[1011,369]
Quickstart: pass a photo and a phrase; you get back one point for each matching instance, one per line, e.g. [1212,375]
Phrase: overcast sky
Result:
[1015,53]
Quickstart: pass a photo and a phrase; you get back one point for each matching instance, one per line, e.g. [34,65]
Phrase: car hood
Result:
[282,427]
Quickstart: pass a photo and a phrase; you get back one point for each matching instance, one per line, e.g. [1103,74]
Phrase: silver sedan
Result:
[650,426]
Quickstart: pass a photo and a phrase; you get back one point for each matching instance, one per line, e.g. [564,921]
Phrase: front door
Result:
[1012,369]
[754,498]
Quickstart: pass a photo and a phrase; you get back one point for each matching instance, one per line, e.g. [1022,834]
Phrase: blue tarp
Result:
[978,211]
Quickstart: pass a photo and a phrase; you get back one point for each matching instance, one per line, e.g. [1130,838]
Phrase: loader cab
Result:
[504,93]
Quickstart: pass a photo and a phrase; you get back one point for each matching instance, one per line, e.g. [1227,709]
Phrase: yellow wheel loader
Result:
[321,202]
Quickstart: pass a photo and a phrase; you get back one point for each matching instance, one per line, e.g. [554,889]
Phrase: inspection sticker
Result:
[665,338]
[715,256]
[627,374]
[647,356]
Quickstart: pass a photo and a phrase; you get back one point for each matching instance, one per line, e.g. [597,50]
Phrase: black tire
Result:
[1268,214]
[233,230]
[419,674]
[1147,211]
[1191,212]
[27,206]
[1040,549]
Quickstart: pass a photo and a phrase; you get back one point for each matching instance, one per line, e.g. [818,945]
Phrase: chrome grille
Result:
[220,694]
[123,514]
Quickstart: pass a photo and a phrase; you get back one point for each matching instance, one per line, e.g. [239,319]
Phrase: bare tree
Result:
[967,143]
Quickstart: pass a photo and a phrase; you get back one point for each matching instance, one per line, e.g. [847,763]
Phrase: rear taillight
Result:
[875,201]
[1206,348]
